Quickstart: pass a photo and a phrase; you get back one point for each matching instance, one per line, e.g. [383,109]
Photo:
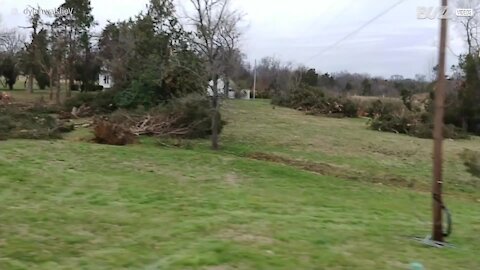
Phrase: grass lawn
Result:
[21,95]
[75,205]
[19,84]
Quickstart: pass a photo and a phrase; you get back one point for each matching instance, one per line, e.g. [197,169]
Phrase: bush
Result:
[137,94]
[6,126]
[42,80]
[265,94]
[193,112]
[471,159]
[100,102]
[392,122]
[350,108]
[43,108]
[388,118]
[79,100]
[314,101]
[22,124]
[380,107]
[105,101]
[306,98]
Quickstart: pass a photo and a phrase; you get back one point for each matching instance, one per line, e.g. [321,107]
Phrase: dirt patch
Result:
[308,166]
[232,179]
[219,267]
[327,169]
[245,237]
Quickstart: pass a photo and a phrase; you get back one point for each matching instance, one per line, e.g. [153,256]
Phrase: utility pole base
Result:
[431,243]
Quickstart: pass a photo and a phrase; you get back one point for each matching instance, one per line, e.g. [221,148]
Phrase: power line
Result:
[330,22]
[356,30]
[452,52]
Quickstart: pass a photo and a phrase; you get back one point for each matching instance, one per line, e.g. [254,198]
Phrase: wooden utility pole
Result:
[437,231]
[254,78]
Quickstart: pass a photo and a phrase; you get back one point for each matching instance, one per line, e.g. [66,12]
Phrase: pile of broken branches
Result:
[155,124]
[158,126]
[5,98]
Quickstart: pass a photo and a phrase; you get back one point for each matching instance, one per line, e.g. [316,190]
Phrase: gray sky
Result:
[300,31]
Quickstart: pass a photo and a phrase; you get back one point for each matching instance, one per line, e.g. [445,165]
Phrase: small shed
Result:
[245,94]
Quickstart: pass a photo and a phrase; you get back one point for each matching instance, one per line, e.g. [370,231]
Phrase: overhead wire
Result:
[355,31]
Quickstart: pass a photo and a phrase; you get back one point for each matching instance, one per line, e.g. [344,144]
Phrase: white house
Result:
[221,89]
[105,79]
[232,93]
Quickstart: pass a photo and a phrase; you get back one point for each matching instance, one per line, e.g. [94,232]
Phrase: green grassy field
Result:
[23,96]
[334,195]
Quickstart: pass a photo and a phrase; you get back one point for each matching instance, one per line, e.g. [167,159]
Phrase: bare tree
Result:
[216,33]
[11,41]
[470,25]
[3,33]
[230,35]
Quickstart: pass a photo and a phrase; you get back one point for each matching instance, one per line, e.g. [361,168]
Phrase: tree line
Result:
[153,57]
[273,75]
[158,55]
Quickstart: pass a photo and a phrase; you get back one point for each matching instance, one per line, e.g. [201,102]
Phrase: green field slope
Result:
[287,191]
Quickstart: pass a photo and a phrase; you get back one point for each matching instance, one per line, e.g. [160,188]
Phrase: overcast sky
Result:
[303,31]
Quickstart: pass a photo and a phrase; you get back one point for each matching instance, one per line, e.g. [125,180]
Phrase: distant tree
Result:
[420,78]
[353,79]
[348,87]
[274,77]
[42,64]
[30,56]
[326,80]
[243,74]
[268,70]
[310,77]
[396,78]
[116,49]
[366,87]
[470,95]
[75,28]
[407,98]
[11,43]
[59,45]
[230,54]
[9,69]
